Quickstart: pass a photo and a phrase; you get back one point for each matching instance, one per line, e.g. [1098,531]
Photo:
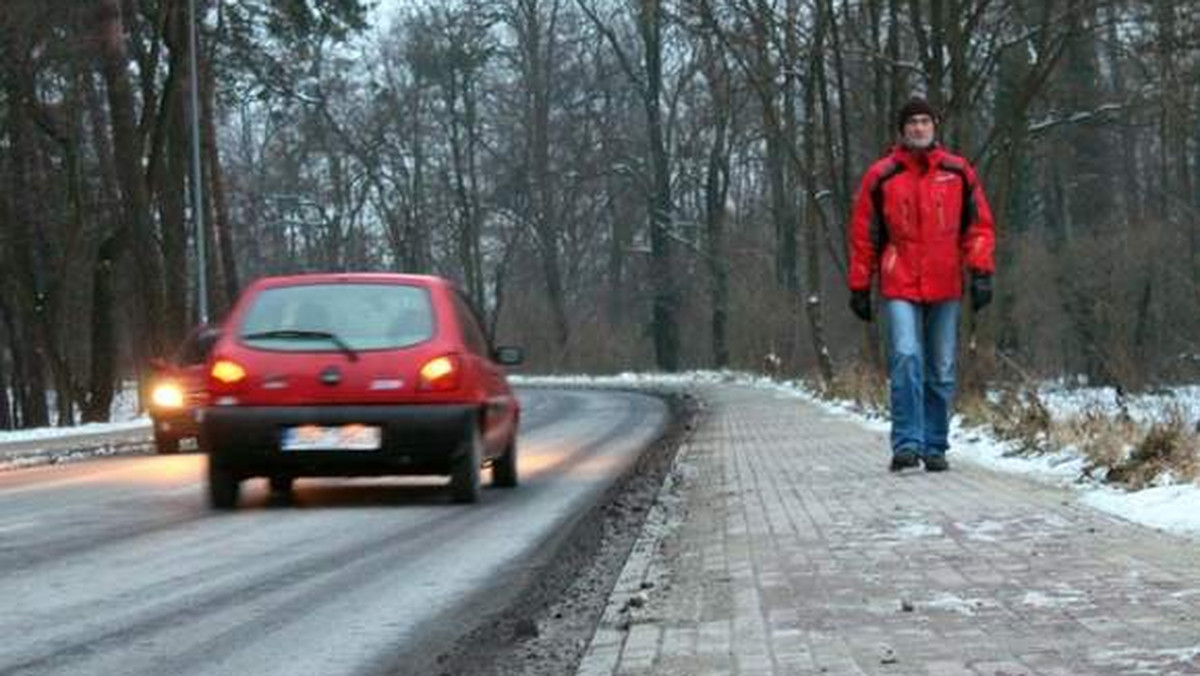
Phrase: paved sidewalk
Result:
[785,547]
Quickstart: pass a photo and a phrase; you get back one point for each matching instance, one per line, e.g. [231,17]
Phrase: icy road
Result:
[117,566]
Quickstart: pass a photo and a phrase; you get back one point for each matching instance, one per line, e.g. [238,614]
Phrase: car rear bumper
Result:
[415,439]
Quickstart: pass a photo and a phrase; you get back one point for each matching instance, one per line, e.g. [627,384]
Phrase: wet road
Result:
[117,566]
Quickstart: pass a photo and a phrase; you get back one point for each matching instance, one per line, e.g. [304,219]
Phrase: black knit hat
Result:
[915,106]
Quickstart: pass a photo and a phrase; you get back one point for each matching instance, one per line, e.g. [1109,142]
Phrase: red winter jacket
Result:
[920,218]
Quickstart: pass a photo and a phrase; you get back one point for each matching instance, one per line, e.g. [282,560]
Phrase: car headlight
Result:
[167,395]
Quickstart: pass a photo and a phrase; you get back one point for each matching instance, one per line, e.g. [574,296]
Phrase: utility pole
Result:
[197,175]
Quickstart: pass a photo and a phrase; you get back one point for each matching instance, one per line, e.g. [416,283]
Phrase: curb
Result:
[603,653]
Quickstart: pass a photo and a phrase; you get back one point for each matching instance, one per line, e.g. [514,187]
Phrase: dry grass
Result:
[1103,439]
[1115,447]
[1021,417]
[862,385]
[1169,446]
[974,408]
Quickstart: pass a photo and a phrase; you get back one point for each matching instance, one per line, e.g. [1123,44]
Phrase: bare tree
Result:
[535,23]
[128,150]
[647,78]
[814,294]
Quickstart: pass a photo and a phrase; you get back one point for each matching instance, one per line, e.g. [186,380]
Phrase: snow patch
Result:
[1139,661]
[1059,599]
[1174,508]
[43,433]
[956,604]
[984,531]
[916,531]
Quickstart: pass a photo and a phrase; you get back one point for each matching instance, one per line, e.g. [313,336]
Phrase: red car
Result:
[357,374]
[177,389]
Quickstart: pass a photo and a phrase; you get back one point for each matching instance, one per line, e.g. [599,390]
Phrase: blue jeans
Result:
[922,341]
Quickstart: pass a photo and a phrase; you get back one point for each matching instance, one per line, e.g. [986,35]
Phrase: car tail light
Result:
[227,372]
[167,395]
[441,373]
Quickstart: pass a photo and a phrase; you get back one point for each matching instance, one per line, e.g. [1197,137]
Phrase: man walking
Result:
[920,219]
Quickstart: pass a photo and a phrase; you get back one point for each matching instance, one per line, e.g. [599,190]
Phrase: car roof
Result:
[351,278]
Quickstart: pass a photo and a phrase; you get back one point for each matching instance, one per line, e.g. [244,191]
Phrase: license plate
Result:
[336,438]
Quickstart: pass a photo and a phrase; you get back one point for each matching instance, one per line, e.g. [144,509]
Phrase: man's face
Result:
[918,131]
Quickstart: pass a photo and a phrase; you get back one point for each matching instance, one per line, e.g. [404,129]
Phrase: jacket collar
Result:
[919,161]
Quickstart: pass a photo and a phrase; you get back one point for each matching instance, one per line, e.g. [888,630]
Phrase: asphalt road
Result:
[117,566]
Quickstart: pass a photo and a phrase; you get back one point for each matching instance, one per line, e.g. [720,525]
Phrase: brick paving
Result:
[782,545]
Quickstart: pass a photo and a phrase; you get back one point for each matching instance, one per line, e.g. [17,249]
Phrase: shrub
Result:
[1168,447]
[1020,416]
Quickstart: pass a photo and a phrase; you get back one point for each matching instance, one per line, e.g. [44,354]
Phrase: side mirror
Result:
[508,355]
[206,341]
[159,364]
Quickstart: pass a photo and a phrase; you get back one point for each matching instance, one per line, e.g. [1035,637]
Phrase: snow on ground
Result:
[125,416]
[1144,408]
[40,433]
[1169,505]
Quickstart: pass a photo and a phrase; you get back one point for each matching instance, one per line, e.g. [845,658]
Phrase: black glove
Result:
[981,291]
[860,304]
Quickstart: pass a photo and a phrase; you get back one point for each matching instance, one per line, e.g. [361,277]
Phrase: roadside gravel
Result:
[547,632]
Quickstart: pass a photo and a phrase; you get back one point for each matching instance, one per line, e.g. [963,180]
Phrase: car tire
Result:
[504,468]
[224,487]
[464,473]
[165,444]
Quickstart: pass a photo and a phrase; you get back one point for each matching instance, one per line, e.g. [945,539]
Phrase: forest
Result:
[650,185]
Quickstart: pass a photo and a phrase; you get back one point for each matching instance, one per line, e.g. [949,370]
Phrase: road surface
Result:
[117,566]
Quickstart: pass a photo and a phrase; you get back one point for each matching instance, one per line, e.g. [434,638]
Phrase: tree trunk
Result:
[6,421]
[666,296]
[1090,203]
[460,150]
[841,187]
[813,292]
[716,191]
[880,78]
[788,243]
[21,280]
[225,262]
[778,127]
[898,77]
[168,172]
[102,375]
[475,278]
[419,255]
[137,228]
[620,241]
[8,383]
[648,79]
[29,386]
[538,64]
[102,371]
[839,172]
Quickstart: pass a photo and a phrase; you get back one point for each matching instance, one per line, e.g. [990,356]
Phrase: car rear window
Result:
[361,316]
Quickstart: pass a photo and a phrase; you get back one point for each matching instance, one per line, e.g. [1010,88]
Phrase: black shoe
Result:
[936,463]
[904,458]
